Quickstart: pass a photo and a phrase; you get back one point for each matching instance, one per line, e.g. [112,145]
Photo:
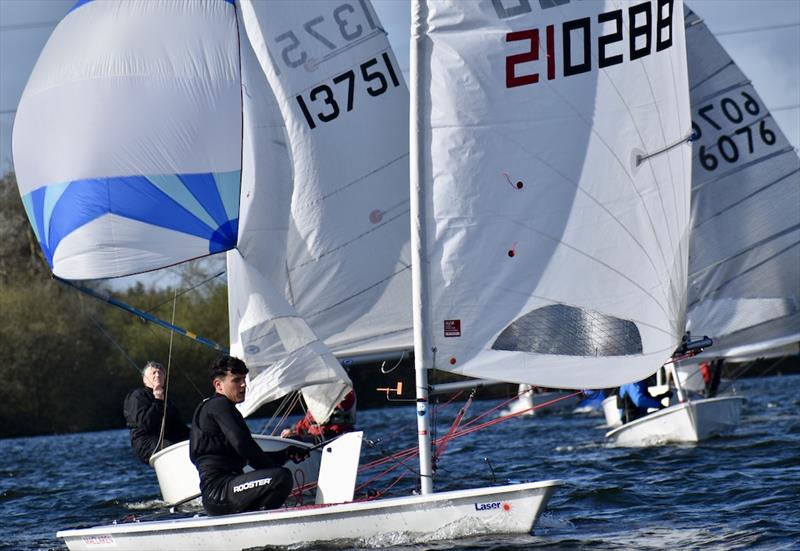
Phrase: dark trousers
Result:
[257,490]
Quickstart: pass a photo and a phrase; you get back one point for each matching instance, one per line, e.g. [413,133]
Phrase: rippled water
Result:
[740,491]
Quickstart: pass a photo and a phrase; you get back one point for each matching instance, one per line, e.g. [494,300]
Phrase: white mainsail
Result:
[279,347]
[744,260]
[323,241]
[346,266]
[553,178]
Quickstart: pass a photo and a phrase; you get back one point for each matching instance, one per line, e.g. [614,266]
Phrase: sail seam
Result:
[746,197]
[751,268]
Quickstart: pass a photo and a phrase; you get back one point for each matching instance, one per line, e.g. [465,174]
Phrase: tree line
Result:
[68,360]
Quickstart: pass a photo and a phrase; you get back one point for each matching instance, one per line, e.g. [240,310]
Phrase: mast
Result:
[423,356]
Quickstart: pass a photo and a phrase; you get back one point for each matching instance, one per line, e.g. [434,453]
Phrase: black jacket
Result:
[221,445]
[143,414]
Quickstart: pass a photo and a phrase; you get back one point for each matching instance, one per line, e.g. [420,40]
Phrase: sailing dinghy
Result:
[744,261]
[548,203]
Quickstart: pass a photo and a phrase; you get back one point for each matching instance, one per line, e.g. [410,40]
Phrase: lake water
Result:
[739,491]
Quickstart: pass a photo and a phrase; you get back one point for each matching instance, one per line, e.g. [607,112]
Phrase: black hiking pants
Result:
[257,490]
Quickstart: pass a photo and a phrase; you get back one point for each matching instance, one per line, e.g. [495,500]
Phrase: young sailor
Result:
[221,445]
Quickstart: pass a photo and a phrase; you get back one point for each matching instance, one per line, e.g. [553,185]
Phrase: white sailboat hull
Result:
[691,421]
[504,509]
[179,480]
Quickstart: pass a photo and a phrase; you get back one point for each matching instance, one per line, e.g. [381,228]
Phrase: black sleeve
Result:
[144,411]
[237,434]
[177,429]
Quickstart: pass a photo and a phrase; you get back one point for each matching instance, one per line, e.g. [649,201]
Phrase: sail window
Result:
[568,331]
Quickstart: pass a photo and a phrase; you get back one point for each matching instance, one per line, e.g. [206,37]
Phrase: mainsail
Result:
[346,266]
[328,236]
[553,188]
[744,259]
[127,139]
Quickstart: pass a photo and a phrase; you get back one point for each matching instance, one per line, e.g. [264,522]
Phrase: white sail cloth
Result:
[553,188]
[127,139]
[344,262]
[744,262]
[280,349]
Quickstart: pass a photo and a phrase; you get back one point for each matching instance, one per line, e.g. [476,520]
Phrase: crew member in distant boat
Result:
[635,399]
[342,420]
[144,414]
[712,373]
[221,446]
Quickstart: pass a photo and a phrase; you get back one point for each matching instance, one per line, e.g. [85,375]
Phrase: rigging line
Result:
[24,26]
[115,343]
[160,444]
[284,401]
[786,107]
[491,422]
[756,245]
[745,198]
[157,306]
[757,29]
[158,335]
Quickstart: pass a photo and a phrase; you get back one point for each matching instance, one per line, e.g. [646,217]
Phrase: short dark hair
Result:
[225,364]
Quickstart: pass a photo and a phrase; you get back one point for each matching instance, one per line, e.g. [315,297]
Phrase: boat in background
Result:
[744,261]
[550,219]
[530,399]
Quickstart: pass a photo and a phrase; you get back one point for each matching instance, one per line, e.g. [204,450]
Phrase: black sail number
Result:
[730,146]
[322,104]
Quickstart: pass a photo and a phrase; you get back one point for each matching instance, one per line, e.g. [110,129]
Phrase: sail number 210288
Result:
[635,31]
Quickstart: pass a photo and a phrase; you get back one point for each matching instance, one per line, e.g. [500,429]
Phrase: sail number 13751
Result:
[371,76]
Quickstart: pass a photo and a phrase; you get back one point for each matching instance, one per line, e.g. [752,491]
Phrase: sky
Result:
[769,57]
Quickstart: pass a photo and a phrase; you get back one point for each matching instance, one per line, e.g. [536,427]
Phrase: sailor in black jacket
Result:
[144,412]
[221,445]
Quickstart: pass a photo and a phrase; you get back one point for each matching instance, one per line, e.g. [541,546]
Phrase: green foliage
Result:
[69,359]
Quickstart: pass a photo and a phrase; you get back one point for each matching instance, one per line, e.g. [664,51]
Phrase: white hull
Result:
[691,421]
[178,478]
[445,515]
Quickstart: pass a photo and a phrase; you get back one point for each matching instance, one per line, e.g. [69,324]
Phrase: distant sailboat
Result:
[549,204]
[744,260]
